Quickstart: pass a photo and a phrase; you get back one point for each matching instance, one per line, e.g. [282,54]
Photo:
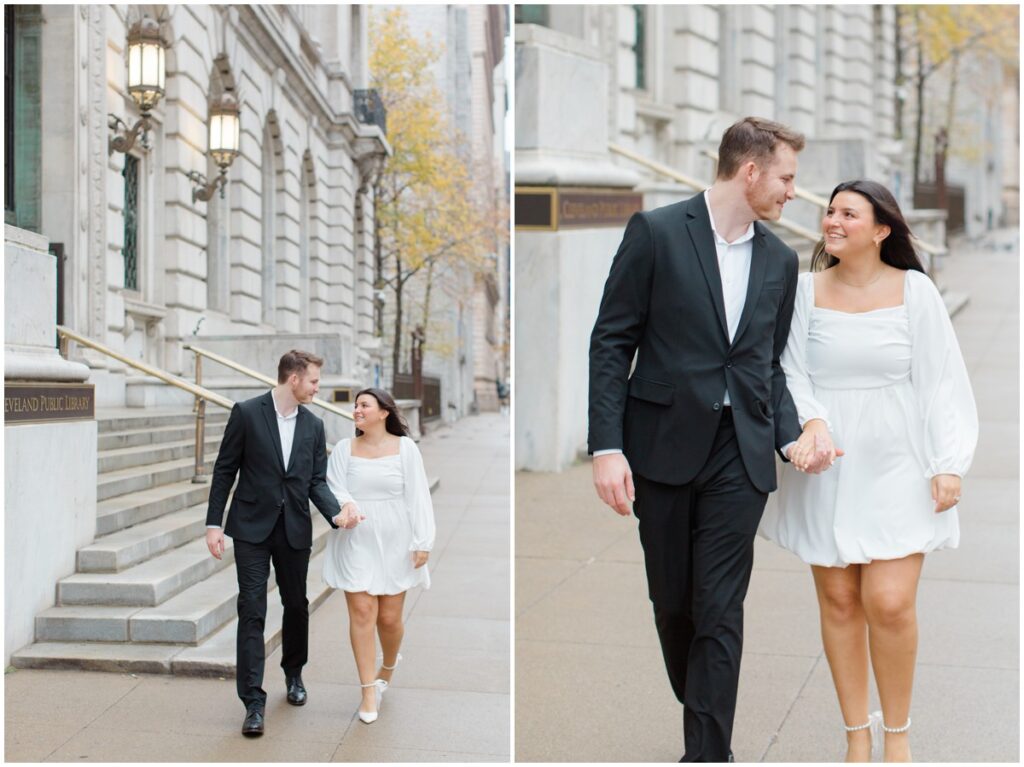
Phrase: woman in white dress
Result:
[379,480]
[875,370]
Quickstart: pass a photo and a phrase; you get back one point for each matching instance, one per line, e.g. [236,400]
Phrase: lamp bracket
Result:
[203,189]
[124,138]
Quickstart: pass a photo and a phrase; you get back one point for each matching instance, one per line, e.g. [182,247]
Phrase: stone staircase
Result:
[146,595]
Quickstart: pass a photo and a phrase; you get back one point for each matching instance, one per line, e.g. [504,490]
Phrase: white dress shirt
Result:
[734,266]
[286,430]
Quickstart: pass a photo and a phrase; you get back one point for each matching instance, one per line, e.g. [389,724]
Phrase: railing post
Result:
[199,477]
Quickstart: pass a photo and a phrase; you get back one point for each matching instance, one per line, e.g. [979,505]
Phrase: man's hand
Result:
[614,481]
[215,541]
[348,517]
[945,491]
[419,558]
[814,452]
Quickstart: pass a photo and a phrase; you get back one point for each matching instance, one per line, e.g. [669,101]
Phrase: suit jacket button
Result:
[717,406]
[728,363]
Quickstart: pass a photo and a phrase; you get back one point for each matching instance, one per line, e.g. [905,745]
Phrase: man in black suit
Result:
[703,295]
[279,450]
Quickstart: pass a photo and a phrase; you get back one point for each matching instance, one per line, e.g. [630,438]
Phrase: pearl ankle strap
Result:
[897,730]
[858,727]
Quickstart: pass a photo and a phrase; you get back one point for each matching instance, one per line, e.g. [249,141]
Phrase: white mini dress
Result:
[393,494]
[893,388]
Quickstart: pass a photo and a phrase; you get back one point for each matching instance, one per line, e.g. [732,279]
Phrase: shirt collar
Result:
[747,235]
[293,414]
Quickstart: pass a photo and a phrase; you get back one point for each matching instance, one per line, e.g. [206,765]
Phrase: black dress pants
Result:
[698,542]
[252,565]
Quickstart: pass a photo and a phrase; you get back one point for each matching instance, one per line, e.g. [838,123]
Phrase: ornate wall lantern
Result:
[224,135]
[146,77]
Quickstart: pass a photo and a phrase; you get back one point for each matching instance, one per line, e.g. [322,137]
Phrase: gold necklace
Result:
[866,284]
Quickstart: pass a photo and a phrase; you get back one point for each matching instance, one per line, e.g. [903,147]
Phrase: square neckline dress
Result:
[893,388]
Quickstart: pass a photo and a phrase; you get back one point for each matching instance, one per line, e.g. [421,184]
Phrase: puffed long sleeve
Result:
[417,497]
[337,472]
[794,358]
[939,378]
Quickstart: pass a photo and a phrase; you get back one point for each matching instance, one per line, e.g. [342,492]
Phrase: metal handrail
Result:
[201,394]
[199,352]
[697,185]
[167,378]
[821,202]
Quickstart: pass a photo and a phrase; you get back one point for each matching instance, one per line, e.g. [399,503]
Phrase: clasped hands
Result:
[348,516]
[814,452]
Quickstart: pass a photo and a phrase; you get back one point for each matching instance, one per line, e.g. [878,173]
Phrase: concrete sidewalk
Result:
[449,701]
[590,682]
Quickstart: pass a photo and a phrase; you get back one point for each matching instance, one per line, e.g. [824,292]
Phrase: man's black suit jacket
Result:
[663,301]
[251,448]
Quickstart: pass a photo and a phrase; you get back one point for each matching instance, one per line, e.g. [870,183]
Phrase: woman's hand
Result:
[419,558]
[945,491]
[814,451]
[349,516]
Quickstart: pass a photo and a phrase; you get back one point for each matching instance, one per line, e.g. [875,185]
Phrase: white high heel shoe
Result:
[379,685]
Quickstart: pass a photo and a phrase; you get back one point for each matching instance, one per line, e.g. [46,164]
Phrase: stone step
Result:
[214,657]
[132,419]
[155,435]
[147,476]
[135,508]
[142,455]
[147,584]
[186,618]
[196,612]
[125,548]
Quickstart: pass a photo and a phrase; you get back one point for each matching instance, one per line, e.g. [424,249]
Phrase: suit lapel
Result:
[301,419]
[758,264]
[270,416]
[699,226]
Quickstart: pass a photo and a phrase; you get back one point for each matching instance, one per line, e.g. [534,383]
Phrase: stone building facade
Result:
[287,250]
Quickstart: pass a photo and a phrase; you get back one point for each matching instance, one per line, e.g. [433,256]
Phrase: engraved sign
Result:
[44,402]
[553,208]
[597,208]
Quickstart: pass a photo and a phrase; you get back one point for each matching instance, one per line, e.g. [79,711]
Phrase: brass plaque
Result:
[44,402]
[553,208]
[592,209]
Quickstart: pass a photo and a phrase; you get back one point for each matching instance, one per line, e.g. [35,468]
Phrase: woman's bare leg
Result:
[362,618]
[844,635]
[391,630]
[889,592]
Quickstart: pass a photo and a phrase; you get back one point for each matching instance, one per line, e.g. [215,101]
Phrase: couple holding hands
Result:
[851,372]
[373,492]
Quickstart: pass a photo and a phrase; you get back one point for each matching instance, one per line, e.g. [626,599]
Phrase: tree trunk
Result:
[919,79]
[426,300]
[396,351]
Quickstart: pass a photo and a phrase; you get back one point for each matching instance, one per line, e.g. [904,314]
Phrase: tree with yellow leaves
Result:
[430,217]
[940,36]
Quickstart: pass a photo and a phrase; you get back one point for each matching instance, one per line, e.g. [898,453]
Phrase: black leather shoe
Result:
[252,727]
[296,690]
